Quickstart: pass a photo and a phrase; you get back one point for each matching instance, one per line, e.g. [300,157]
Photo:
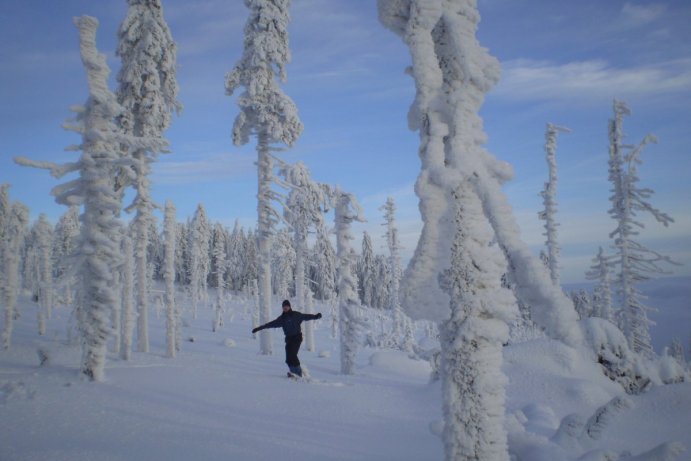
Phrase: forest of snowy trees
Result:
[472,283]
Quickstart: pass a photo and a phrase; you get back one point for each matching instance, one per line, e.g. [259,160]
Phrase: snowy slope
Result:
[220,399]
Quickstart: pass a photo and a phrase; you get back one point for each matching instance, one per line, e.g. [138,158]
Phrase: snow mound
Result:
[399,363]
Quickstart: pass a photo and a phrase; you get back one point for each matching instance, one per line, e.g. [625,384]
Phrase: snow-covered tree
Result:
[452,73]
[169,239]
[65,242]
[347,210]
[365,271]
[676,350]
[304,210]
[400,319]
[283,259]
[323,268]
[94,189]
[219,260]
[128,314]
[148,93]
[602,295]
[473,337]
[15,227]
[199,239]
[633,261]
[42,242]
[549,199]
[265,111]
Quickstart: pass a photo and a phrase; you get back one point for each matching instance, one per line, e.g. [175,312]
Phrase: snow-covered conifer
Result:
[365,271]
[473,337]
[42,238]
[633,261]
[219,260]
[283,258]
[304,209]
[389,209]
[602,296]
[169,239]
[99,247]
[549,199]
[65,242]
[15,222]
[452,73]
[199,239]
[148,93]
[324,268]
[128,315]
[270,114]
[347,210]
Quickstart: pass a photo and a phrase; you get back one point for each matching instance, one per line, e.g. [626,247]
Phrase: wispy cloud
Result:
[588,81]
[632,16]
[211,167]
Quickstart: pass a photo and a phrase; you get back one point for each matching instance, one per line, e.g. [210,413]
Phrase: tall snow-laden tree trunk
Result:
[148,92]
[472,338]
[264,240]
[452,73]
[128,318]
[267,112]
[219,254]
[13,232]
[549,199]
[169,234]
[347,210]
[634,261]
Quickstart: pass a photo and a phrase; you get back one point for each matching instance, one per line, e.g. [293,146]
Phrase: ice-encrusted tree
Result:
[198,241]
[600,271]
[99,245]
[324,266]
[127,302]
[148,92]
[347,210]
[220,264]
[13,231]
[270,115]
[452,73]
[169,240]
[549,200]
[633,261]
[42,273]
[365,271]
[472,338]
[305,206]
[65,242]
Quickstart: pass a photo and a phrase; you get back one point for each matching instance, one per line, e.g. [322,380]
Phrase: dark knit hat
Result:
[285,303]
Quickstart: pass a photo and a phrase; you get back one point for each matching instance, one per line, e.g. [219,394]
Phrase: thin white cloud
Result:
[207,168]
[633,16]
[588,81]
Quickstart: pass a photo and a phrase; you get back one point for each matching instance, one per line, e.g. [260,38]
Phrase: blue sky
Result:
[562,62]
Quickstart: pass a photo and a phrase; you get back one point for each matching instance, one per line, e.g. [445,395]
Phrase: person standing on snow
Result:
[290,321]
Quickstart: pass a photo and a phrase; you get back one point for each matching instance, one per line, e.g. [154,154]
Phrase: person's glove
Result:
[254,330]
[319,315]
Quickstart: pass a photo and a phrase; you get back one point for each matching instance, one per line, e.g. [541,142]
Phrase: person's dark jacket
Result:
[290,322]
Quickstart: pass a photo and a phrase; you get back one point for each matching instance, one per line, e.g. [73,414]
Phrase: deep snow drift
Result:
[220,399]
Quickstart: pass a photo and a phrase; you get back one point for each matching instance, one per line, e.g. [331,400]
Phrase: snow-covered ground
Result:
[221,400]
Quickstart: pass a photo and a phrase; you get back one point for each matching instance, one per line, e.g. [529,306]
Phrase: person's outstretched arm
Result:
[276,323]
[316,316]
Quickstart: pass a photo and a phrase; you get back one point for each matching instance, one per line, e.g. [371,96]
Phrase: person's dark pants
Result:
[292,347]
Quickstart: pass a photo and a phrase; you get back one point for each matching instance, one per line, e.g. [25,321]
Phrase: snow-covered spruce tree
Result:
[235,258]
[365,271]
[128,315]
[602,294]
[324,267]
[549,199]
[219,260]
[283,258]
[198,241]
[452,73]
[305,207]
[94,189]
[65,242]
[42,239]
[633,261]
[268,113]
[473,337]
[399,319]
[169,239]
[4,213]
[15,227]
[148,93]
[347,210]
